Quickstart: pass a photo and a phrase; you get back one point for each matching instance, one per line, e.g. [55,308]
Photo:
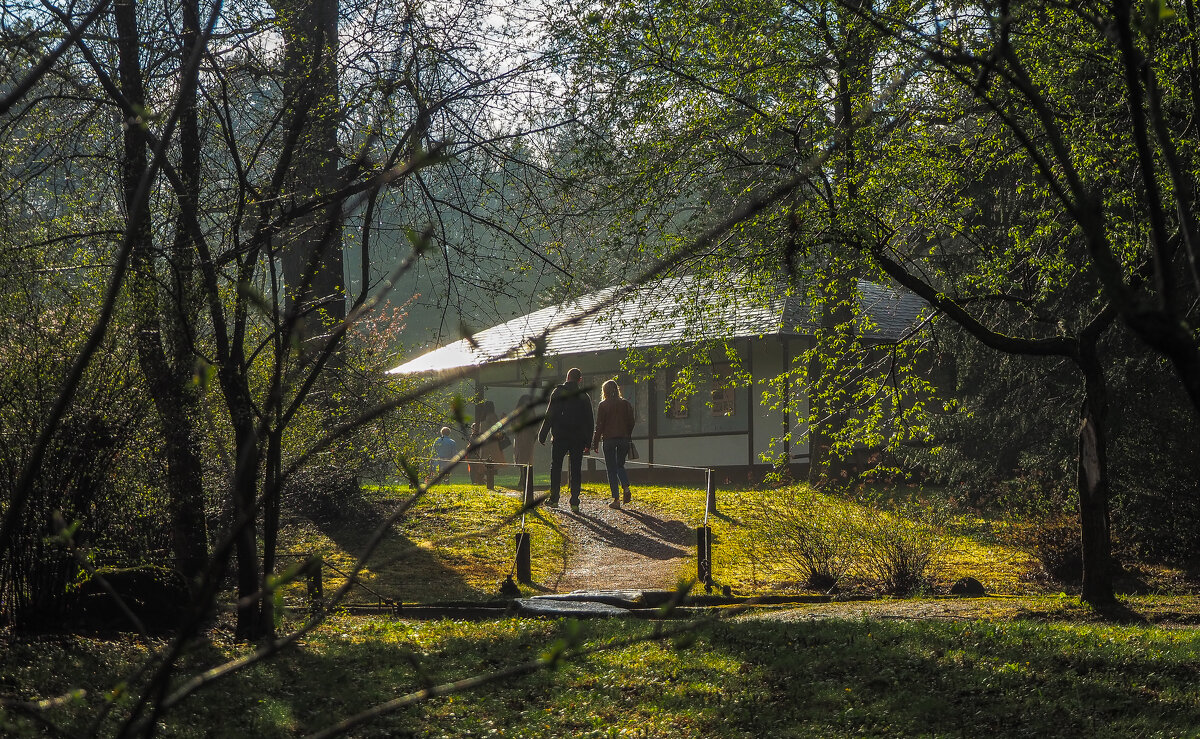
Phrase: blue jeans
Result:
[615,452]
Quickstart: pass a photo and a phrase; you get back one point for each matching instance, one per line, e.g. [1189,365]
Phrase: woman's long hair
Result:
[610,389]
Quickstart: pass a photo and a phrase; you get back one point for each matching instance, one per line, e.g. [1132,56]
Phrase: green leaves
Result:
[1154,13]
[204,373]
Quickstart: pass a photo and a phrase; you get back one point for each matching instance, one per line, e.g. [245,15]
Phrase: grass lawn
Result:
[733,678]
[458,543]
[974,548]
[1023,663]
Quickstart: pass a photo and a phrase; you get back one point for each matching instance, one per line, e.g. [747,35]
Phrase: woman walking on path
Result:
[614,424]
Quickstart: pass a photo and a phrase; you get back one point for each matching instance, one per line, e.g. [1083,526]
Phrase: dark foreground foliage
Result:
[741,678]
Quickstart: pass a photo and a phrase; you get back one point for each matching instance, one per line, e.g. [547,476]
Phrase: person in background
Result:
[614,424]
[492,451]
[569,418]
[444,449]
[526,434]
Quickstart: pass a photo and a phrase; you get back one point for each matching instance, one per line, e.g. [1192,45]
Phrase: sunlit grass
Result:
[973,550]
[1001,568]
[831,677]
[458,542]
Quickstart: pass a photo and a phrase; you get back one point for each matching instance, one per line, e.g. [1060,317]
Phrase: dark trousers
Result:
[574,451]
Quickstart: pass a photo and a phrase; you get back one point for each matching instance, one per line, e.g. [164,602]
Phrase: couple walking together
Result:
[573,431]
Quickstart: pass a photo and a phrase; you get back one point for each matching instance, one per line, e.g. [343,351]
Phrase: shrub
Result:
[901,550]
[1054,541]
[325,494]
[806,532]
[157,596]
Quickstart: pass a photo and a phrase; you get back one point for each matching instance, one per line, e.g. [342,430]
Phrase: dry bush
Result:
[1054,541]
[901,550]
[804,532]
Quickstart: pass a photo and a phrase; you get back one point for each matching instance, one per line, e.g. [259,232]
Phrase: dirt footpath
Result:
[631,548]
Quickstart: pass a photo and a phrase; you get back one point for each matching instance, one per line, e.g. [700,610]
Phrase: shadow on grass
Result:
[726,518]
[735,679]
[820,678]
[398,569]
[950,679]
[1120,613]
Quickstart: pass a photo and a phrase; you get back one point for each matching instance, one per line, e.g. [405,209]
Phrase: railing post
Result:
[704,555]
[711,502]
[316,589]
[527,471]
[524,571]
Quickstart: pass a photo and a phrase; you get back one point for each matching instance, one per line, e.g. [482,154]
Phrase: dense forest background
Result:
[220,223]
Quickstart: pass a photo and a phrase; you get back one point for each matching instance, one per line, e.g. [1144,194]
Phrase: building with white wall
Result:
[725,425]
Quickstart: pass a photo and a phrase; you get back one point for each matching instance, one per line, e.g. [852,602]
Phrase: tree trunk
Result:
[852,48]
[818,431]
[250,626]
[189,528]
[170,387]
[1096,541]
[312,257]
[271,505]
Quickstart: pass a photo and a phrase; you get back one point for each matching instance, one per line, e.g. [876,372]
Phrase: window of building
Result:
[679,407]
[723,403]
[714,407]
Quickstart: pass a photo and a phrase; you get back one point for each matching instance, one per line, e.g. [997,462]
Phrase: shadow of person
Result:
[653,547]
[672,531]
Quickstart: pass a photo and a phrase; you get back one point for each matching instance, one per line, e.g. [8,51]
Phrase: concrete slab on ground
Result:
[619,598]
[568,608]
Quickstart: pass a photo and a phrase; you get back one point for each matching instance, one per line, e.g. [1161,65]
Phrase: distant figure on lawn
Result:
[444,449]
[570,422]
[492,451]
[614,424]
[526,434]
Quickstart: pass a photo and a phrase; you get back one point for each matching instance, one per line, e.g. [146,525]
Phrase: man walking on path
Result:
[569,420]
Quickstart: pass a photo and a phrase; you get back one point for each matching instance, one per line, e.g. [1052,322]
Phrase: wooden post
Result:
[528,474]
[704,555]
[711,503]
[524,571]
[316,589]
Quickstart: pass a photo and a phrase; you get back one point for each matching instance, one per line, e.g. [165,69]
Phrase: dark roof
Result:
[674,310]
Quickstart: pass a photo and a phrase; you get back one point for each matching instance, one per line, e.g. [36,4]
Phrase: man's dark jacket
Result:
[568,416]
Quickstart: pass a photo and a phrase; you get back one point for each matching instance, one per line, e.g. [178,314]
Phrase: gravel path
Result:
[632,548]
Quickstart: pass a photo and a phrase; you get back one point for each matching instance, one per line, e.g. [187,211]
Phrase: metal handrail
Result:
[354,579]
[709,501]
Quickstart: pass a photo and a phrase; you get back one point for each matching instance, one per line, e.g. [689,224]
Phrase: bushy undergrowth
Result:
[1054,541]
[822,539]
[807,532]
[899,550]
